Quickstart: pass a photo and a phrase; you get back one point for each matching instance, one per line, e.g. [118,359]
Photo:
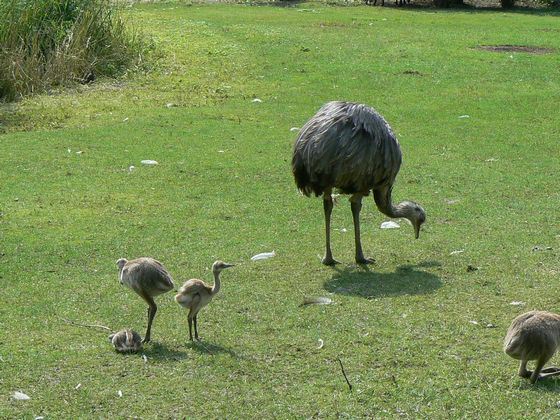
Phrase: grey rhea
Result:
[534,335]
[148,278]
[351,148]
[195,295]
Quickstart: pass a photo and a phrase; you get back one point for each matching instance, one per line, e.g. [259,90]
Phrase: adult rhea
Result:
[350,147]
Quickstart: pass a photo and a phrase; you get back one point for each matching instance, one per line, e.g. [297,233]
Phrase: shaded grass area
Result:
[223,189]
[405,280]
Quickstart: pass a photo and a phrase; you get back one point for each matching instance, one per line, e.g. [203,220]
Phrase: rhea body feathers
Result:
[347,146]
[534,335]
[195,289]
[351,148]
[145,275]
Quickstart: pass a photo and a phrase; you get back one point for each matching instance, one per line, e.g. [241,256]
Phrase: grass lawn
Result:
[418,333]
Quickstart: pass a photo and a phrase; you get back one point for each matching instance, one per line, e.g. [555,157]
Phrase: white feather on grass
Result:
[20,396]
[263,256]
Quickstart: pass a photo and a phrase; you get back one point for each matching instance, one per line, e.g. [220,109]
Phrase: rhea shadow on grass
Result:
[363,281]
[550,384]
[159,351]
[204,347]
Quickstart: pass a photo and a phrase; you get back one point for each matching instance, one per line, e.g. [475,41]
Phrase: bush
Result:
[46,43]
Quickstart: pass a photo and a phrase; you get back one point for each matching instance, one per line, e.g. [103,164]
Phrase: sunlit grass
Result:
[223,189]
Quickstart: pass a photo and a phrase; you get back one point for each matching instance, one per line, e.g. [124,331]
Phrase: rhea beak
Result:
[417,230]
[226,265]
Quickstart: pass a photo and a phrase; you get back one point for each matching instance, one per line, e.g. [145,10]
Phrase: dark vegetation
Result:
[48,43]
[476,4]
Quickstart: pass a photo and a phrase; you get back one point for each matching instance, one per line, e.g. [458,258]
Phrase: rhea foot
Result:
[363,260]
[552,369]
[329,261]
[544,373]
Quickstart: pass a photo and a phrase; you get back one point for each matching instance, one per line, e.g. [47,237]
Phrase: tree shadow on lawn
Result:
[283,3]
[406,280]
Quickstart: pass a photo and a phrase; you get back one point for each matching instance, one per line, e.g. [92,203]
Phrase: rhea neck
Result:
[404,209]
[217,284]
[384,203]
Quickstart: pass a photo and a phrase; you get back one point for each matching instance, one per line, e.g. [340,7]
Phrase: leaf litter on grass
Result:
[321,300]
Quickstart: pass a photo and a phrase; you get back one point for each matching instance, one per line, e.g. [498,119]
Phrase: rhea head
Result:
[415,214]
[219,266]
[121,263]
[419,219]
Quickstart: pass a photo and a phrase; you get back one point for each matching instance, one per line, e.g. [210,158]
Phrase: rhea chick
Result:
[195,295]
[148,278]
[534,335]
[126,341]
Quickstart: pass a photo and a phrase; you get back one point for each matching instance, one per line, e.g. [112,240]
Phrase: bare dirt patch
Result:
[516,48]
[412,73]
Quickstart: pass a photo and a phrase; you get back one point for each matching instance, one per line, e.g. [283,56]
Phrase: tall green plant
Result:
[45,43]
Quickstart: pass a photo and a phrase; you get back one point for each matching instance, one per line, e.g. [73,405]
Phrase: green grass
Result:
[402,327]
